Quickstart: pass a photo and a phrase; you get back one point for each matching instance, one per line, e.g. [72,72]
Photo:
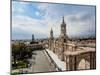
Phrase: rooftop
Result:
[80,50]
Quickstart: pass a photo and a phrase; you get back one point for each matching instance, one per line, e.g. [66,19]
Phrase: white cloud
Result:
[80,27]
[37,13]
[28,24]
[77,24]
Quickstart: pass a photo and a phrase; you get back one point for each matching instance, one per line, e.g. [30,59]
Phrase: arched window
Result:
[64,40]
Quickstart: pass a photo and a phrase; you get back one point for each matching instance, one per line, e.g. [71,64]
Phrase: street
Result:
[41,63]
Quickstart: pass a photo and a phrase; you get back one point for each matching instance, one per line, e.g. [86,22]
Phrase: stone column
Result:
[62,54]
[67,63]
[92,60]
[72,63]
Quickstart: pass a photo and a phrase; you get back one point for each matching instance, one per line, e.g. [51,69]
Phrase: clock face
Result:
[62,28]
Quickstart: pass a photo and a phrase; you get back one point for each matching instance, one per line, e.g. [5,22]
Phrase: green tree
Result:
[20,53]
[15,52]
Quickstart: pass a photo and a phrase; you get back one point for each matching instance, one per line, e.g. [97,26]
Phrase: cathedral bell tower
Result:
[51,34]
[51,40]
[62,39]
[63,35]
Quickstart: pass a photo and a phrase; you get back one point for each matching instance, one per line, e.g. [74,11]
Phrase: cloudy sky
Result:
[37,18]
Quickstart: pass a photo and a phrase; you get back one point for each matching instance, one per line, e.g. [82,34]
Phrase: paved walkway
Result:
[42,63]
[61,65]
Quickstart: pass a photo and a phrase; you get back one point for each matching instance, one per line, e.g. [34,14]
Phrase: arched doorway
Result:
[83,64]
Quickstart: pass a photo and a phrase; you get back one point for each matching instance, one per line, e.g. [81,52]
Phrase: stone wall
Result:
[81,61]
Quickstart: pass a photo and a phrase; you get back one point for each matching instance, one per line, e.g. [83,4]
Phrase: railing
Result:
[53,61]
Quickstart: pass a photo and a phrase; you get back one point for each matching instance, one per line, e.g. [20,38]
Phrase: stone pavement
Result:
[41,63]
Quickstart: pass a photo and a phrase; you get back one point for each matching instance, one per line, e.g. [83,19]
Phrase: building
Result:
[32,37]
[59,46]
[33,40]
[70,52]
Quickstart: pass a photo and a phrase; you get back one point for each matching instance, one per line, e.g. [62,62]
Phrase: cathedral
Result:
[76,57]
[58,46]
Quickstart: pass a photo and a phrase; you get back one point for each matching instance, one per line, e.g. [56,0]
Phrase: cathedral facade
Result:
[58,46]
[76,57]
